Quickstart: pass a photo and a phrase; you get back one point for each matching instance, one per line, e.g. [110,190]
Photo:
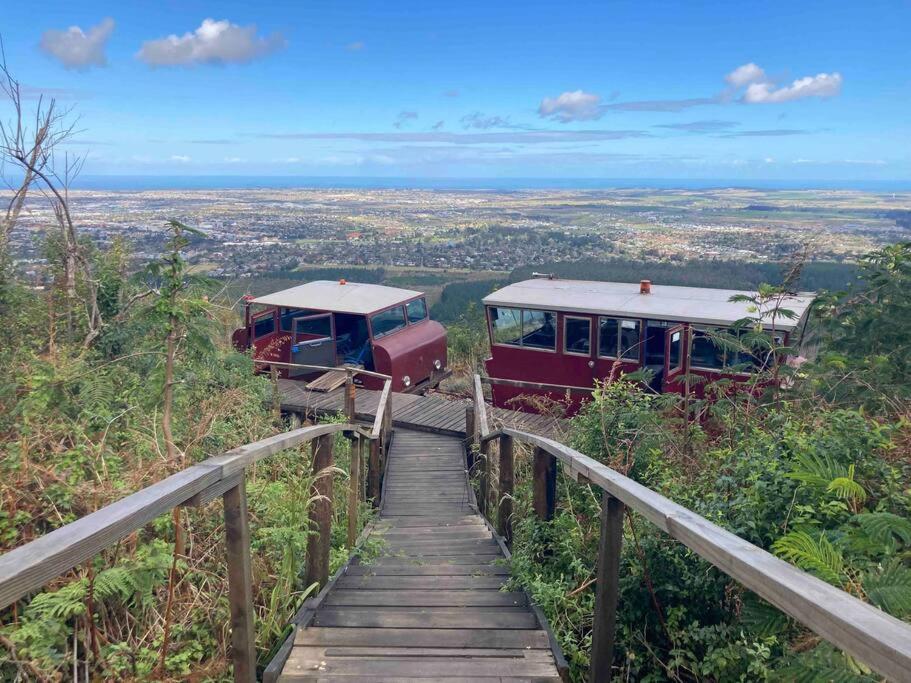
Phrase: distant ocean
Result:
[236,182]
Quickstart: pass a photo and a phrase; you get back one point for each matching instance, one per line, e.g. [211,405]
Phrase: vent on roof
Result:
[645,286]
[549,276]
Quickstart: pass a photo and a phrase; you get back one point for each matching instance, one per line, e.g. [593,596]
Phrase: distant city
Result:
[256,232]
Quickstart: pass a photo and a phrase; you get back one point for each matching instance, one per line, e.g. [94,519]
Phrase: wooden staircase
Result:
[431,607]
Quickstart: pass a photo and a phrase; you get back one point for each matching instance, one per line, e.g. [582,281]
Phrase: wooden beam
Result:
[505,492]
[607,589]
[544,484]
[860,629]
[484,477]
[354,474]
[320,512]
[470,438]
[373,473]
[350,395]
[480,408]
[380,420]
[240,583]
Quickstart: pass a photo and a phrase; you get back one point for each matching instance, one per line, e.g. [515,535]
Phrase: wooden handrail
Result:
[379,420]
[325,368]
[480,408]
[874,637]
[31,566]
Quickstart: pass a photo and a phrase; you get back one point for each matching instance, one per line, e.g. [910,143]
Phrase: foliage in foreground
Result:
[81,427]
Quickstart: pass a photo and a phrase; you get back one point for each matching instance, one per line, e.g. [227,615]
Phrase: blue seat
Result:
[358,356]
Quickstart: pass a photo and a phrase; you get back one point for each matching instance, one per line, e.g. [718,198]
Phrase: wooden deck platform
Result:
[411,411]
[431,606]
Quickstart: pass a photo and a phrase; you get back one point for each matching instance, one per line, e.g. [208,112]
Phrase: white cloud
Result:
[743,75]
[180,158]
[78,49]
[760,89]
[355,46]
[233,160]
[820,85]
[577,105]
[214,42]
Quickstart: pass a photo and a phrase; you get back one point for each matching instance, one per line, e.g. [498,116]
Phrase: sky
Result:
[771,90]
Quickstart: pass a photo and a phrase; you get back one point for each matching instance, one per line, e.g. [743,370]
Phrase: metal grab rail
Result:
[866,632]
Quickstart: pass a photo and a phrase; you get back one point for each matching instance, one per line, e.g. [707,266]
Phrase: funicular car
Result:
[572,333]
[328,324]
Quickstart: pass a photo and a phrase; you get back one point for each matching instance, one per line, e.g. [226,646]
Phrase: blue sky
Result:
[465,89]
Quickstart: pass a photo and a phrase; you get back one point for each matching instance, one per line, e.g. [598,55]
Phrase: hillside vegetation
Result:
[818,473]
[82,425]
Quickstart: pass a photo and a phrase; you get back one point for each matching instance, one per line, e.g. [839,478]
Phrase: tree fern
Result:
[890,589]
[817,556]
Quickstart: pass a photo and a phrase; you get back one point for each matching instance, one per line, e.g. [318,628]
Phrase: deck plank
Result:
[432,604]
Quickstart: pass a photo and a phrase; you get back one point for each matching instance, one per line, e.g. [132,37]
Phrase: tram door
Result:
[313,343]
[676,345]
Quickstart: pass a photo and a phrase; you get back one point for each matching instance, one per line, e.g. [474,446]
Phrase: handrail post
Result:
[607,588]
[354,475]
[484,475]
[471,437]
[545,484]
[240,582]
[505,492]
[320,512]
[373,473]
[350,394]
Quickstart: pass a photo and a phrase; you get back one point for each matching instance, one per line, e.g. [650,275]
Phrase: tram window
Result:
[286,320]
[706,354]
[387,322]
[539,330]
[416,310]
[577,335]
[629,339]
[263,326]
[507,326]
[674,356]
[618,338]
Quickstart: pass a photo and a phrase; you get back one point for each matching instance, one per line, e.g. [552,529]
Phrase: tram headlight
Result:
[437,364]
[406,380]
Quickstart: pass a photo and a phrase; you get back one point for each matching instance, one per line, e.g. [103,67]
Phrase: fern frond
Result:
[819,557]
[762,618]
[116,582]
[825,664]
[890,589]
[846,488]
[61,604]
[885,527]
[816,470]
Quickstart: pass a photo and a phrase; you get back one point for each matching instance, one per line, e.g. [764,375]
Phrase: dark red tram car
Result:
[574,333]
[336,324]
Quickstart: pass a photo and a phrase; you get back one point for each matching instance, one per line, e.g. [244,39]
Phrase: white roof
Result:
[699,305]
[331,295]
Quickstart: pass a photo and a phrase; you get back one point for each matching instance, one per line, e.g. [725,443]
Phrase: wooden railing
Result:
[869,634]
[30,567]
